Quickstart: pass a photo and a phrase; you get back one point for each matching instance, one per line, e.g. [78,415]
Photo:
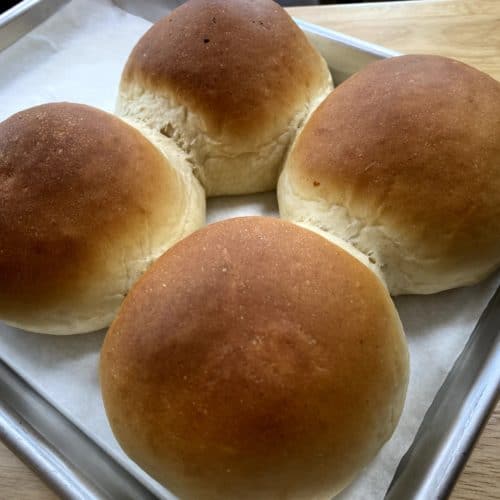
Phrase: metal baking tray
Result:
[76,467]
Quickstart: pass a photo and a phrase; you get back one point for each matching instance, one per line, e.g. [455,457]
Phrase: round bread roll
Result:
[86,204]
[403,161]
[230,81]
[255,360]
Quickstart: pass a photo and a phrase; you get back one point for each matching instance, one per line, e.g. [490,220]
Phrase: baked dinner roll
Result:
[230,81]
[255,360]
[403,161]
[86,204]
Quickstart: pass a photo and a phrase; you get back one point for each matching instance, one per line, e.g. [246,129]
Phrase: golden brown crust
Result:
[74,181]
[241,64]
[255,359]
[411,144]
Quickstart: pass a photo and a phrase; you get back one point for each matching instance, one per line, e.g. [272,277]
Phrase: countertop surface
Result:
[468,30]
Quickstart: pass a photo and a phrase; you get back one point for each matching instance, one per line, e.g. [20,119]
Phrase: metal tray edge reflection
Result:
[23,17]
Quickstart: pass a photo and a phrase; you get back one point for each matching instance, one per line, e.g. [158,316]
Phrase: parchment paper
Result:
[78,55]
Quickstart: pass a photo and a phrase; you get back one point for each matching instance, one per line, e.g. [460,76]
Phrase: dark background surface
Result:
[7,4]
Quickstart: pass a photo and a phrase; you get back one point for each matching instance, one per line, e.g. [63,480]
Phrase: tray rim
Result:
[20,19]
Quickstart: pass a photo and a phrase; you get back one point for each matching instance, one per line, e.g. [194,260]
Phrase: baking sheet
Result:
[78,55]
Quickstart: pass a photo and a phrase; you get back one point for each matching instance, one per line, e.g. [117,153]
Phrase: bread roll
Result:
[403,161]
[255,360]
[86,204]
[230,81]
